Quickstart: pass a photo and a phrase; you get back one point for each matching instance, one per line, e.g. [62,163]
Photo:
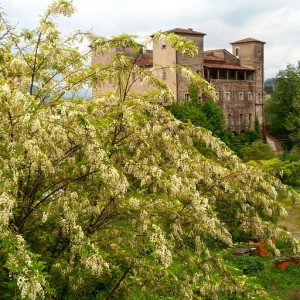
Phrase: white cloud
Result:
[274,21]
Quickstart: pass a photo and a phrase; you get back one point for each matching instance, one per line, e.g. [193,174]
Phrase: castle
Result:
[238,77]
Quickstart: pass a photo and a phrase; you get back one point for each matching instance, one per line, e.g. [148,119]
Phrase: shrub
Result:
[249,264]
[257,151]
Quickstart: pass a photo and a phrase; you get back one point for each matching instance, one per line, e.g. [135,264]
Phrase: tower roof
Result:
[247,40]
[185,31]
[222,59]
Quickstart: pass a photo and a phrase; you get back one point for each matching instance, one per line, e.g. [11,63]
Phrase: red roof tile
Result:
[145,59]
[247,40]
[208,56]
[227,66]
[144,62]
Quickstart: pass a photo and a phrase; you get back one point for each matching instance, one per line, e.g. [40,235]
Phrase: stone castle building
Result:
[238,77]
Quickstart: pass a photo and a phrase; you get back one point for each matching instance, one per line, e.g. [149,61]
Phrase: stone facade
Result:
[238,77]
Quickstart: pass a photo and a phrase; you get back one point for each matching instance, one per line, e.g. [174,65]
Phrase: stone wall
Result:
[251,54]
[237,100]
[164,60]
[195,63]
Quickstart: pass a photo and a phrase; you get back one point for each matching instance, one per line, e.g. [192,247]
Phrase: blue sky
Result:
[275,22]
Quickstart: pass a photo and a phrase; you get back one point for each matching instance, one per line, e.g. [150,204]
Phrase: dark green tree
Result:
[283,109]
[257,151]
[194,92]
[206,114]
[189,112]
[269,85]
[215,117]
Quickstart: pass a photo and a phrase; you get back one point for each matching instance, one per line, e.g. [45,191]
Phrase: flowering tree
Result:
[113,198]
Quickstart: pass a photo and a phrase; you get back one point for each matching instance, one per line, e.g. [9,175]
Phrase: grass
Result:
[292,222]
[279,284]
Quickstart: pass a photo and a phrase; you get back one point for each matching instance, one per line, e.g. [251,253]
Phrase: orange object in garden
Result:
[261,245]
[282,263]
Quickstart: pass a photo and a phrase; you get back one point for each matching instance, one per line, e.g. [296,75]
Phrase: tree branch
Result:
[109,296]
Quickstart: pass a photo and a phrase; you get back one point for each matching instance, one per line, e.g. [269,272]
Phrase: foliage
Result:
[269,85]
[278,284]
[206,114]
[283,109]
[108,198]
[287,171]
[214,115]
[194,93]
[249,264]
[268,89]
[258,150]
[189,112]
[294,154]
[237,141]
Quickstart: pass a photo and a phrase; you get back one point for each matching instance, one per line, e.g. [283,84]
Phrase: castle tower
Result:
[250,53]
[165,57]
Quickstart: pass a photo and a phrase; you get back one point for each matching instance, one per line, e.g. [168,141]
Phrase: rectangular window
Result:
[241,96]
[230,121]
[164,74]
[258,98]
[250,118]
[250,96]
[227,96]
[259,71]
[241,118]
[186,97]
[237,51]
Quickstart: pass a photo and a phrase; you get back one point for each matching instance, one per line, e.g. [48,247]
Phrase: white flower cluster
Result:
[96,264]
[18,63]
[62,7]
[161,246]
[144,219]
[6,207]
[30,281]
[30,287]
